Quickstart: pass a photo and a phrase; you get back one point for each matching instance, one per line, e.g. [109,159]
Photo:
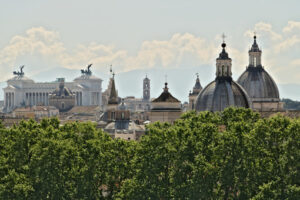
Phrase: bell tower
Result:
[146,89]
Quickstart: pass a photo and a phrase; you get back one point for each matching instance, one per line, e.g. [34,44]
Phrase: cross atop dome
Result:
[110,69]
[223,55]
[223,44]
[223,37]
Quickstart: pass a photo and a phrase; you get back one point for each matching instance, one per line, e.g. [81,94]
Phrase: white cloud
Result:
[292,25]
[36,41]
[181,50]
[287,43]
[101,55]
[295,62]
[262,28]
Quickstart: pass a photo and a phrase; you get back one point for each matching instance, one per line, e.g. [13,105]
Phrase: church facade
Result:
[22,91]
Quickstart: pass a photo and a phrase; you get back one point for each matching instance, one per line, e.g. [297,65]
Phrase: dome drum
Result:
[220,94]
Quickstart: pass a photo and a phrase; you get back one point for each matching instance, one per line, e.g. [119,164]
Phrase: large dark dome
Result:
[256,81]
[222,93]
[259,84]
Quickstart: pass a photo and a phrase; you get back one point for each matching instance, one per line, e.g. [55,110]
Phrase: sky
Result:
[57,38]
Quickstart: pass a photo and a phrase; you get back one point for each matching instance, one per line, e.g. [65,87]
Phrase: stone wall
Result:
[267,106]
[164,116]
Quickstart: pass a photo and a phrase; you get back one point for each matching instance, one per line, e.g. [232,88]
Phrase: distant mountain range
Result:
[180,81]
[291,105]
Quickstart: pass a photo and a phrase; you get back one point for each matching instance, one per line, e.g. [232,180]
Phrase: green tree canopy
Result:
[234,154]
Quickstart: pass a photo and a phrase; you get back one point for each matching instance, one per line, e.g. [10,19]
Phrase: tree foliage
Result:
[234,154]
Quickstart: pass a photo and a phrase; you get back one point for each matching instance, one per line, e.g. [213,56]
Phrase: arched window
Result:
[223,70]
[254,61]
[63,105]
[123,115]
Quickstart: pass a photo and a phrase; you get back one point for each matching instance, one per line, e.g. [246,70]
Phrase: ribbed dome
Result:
[258,83]
[62,91]
[222,93]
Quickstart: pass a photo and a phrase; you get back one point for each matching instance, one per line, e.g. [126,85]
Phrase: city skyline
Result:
[167,37]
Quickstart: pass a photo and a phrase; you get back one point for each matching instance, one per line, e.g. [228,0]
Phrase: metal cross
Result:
[197,74]
[223,36]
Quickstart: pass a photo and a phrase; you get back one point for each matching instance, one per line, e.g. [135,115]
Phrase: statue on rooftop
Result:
[87,71]
[19,73]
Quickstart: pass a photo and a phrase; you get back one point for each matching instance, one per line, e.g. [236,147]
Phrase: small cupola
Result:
[223,63]
[255,54]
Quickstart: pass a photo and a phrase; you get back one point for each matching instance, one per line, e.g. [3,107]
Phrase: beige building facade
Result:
[165,108]
[22,91]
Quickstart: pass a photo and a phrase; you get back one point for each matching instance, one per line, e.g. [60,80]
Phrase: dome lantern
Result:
[223,63]
[255,54]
